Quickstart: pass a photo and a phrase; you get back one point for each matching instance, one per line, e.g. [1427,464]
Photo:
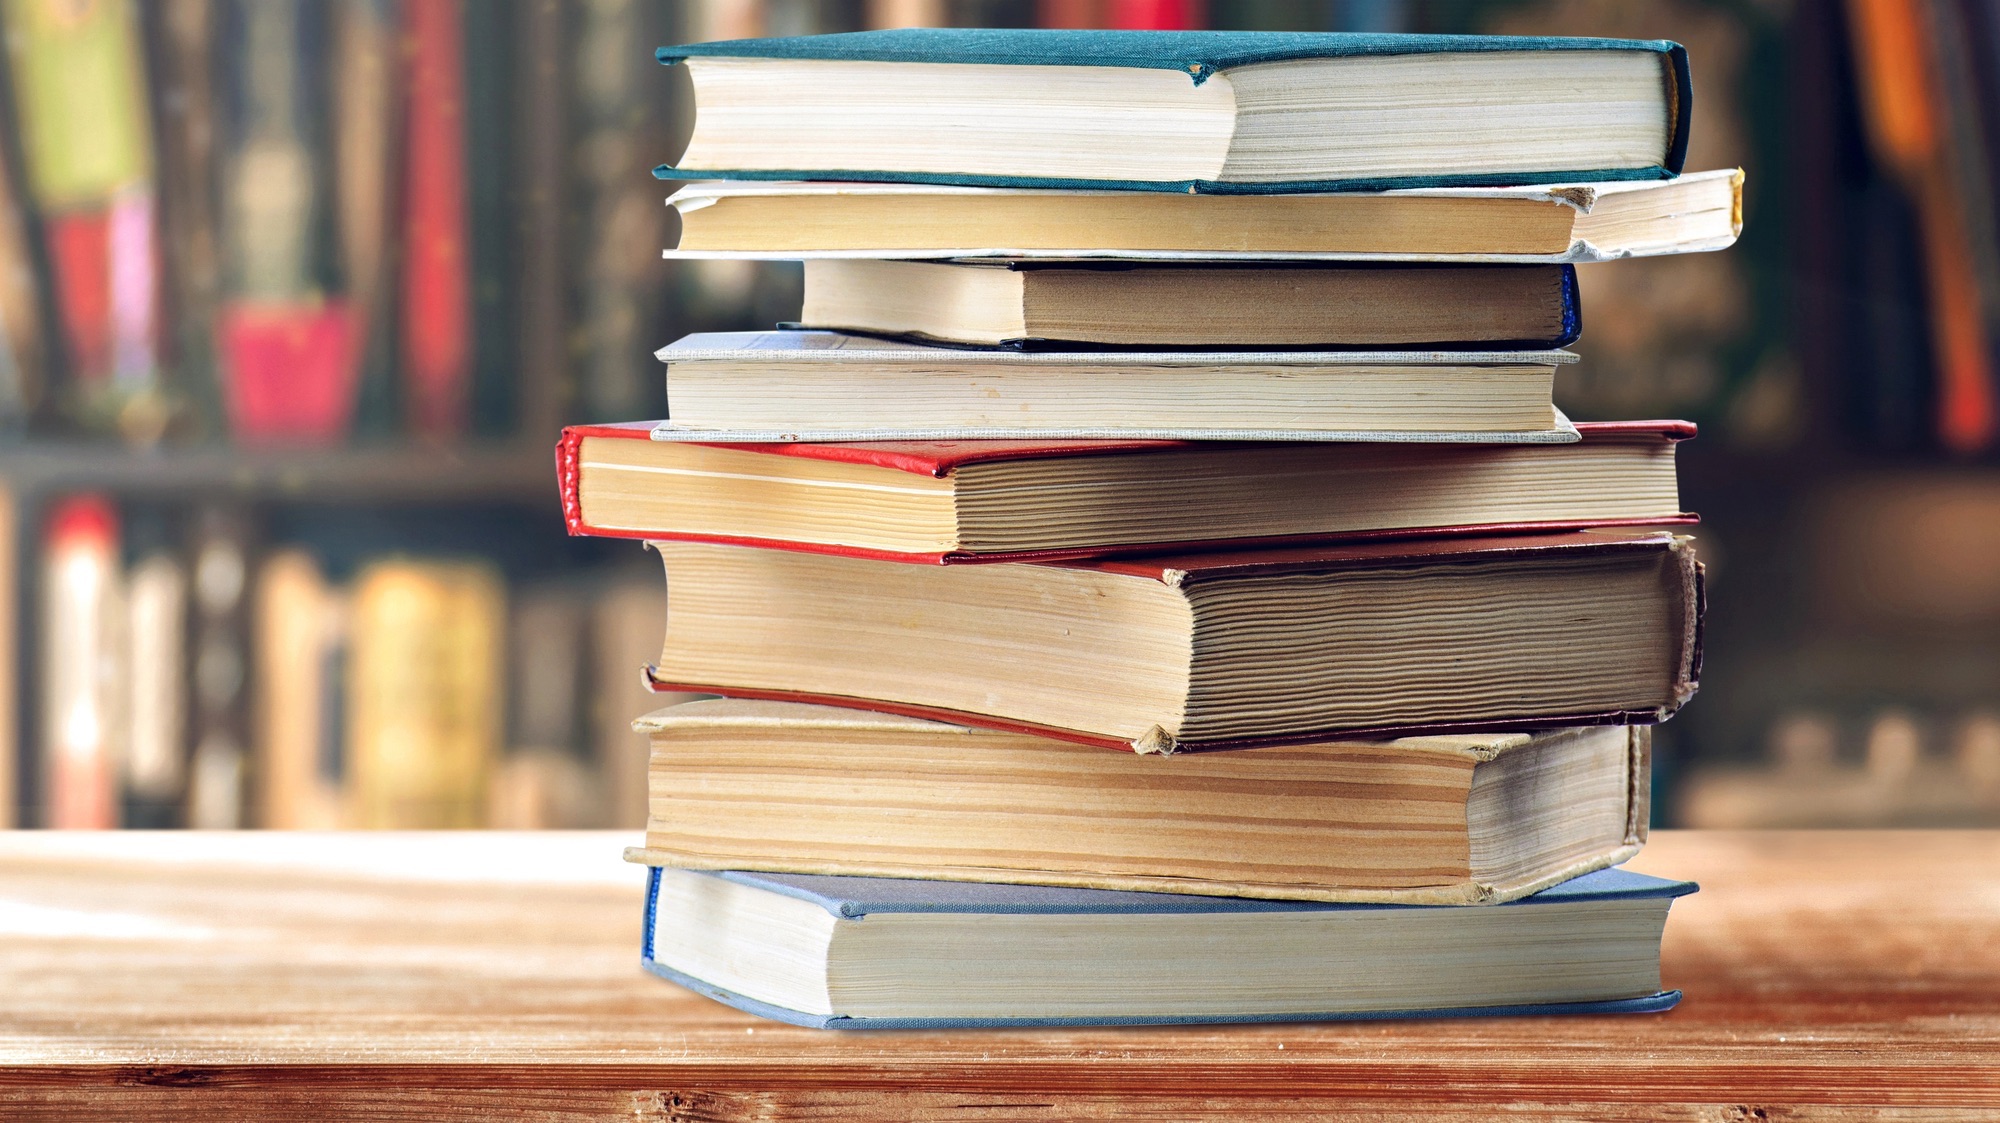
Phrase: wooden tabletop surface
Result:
[496,976]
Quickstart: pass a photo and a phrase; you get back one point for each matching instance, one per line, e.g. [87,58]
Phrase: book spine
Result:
[299,629]
[11,676]
[1903,106]
[79,664]
[543,170]
[423,693]
[628,619]
[492,72]
[567,473]
[1572,309]
[619,296]
[220,554]
[288,349]
[180,36]
[436,285]
[367,90]
[80,95]
[156,676]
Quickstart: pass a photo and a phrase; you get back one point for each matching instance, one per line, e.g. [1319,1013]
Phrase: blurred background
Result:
[295,296]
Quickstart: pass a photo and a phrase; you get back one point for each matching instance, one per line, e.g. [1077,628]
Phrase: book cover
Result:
[853,898]
[436,327]
[1200,55]
[423,708]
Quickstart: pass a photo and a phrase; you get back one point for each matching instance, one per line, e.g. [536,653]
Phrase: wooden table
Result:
[496,976]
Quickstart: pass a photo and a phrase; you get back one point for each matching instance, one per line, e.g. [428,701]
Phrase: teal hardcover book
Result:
[885,953]
[1186,111]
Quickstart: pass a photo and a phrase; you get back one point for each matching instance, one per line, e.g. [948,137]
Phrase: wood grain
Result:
[377,977]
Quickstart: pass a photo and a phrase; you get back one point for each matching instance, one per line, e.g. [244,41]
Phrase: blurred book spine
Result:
[436,288]
[492,75]
[80,664]
[220,564]
[1131,15]
[1908,112]
[366,92]
[299,640]
[423,700]
[289,345]
[628,616]
[80,97]
[543,781]
[11,676]
[181,60]
[619,292]
[156,605]
[24,362]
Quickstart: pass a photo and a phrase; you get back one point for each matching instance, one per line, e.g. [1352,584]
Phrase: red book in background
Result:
[79,664]
[291,370]
[436,285]
[1127,15]
[1156,15]
[80,259]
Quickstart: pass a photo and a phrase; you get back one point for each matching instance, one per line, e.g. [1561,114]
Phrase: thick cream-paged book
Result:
[795,788]
[1577,222]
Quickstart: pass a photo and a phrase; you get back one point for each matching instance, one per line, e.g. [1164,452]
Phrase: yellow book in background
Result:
[423,699]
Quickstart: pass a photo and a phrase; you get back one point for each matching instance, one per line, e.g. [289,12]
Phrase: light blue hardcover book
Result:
[881,953]
[1185,111]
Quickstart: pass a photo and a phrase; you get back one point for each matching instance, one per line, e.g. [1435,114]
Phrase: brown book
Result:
[1207,650]
[784,787]
[1121,304]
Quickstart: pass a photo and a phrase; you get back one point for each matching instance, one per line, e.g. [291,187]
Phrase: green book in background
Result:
[1197,111]
[80,84]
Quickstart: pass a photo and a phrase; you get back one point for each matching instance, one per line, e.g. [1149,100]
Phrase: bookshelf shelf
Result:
[377,474]
[496,976]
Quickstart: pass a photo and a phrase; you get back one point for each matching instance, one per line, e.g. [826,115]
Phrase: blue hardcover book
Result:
[1185,111]
[880,953]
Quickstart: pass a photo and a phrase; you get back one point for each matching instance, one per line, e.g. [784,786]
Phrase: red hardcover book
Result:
[437,287]
[80,259]
[1215,650]
[292,369]
[992,501]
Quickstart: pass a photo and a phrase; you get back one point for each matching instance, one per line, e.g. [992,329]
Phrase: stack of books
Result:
[1152,583]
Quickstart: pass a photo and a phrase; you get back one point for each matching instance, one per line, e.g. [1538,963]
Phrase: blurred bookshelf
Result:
[288,331]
